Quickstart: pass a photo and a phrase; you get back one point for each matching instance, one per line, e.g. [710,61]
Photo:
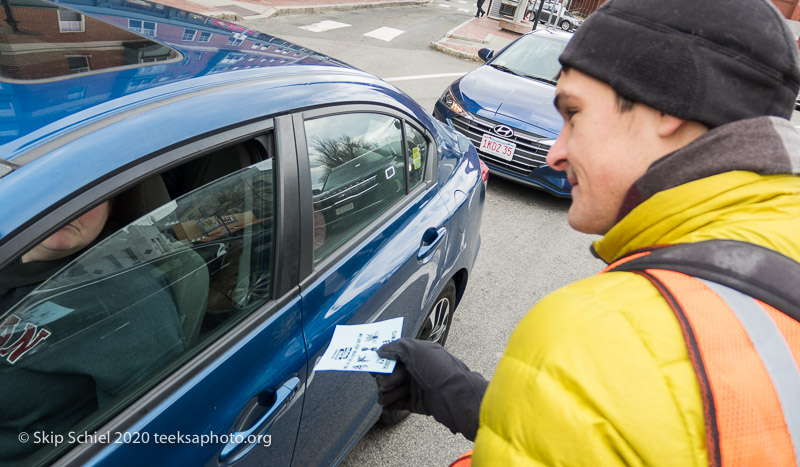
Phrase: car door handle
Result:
[430,239]
[240,438]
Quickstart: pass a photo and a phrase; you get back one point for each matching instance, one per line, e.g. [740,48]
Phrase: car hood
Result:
[523,102]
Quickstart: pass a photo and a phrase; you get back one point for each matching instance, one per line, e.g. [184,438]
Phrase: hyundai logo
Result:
[504,131]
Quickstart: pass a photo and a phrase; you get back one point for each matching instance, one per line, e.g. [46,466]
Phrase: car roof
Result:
[66,140]
[128,54]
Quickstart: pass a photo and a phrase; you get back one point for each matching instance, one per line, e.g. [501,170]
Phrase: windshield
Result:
[534,56]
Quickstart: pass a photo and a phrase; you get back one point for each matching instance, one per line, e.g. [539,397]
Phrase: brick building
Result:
[789,8]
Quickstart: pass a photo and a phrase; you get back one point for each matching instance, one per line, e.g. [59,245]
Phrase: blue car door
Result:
[374,243]
[178,339]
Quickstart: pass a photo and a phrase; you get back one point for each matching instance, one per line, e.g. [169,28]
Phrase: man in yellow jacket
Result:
[675,131]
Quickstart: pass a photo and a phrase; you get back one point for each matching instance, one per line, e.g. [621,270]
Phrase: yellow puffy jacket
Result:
[597,373]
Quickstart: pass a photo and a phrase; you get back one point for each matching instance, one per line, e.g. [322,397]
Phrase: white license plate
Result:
[498,147]
[344,209]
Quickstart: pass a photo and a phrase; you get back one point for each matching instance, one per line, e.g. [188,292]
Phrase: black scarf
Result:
[764,145]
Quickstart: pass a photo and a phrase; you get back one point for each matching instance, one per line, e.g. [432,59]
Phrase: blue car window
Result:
[357,172]
[417,151]
[90,338]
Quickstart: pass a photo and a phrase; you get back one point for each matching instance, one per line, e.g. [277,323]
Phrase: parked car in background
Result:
[567,22]
[549,14]
[240,197]
[505,108]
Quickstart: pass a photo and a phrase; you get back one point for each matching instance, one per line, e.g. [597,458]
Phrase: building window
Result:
[145,28]
[204,37]
[234,41]
[78,92]
[232,58]
[78,63]
[7,109]
[70,21]
[189,34]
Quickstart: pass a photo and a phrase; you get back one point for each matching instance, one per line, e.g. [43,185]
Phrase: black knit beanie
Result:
[712,61]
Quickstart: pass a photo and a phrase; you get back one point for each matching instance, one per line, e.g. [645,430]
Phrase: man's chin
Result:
[584,223]
[574,219]
[59,249]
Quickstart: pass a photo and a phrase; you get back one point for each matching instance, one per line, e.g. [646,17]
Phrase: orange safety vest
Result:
[744,351]
[464,460]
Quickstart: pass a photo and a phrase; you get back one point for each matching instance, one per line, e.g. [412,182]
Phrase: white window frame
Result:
[71,25]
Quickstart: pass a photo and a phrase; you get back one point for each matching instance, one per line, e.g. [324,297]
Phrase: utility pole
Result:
[537,15]
[560,12]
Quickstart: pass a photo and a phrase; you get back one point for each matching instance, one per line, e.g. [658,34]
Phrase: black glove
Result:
[428,380]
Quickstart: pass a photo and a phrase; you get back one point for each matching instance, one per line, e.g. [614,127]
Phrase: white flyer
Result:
[355,347]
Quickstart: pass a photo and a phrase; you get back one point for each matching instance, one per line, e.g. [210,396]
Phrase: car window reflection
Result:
[151,291]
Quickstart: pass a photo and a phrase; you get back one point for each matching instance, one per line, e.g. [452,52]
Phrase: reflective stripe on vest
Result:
[745,354]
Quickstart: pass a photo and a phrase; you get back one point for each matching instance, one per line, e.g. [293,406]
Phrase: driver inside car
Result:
[71,341]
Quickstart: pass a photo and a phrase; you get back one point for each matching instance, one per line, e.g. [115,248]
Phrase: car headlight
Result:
[449,100]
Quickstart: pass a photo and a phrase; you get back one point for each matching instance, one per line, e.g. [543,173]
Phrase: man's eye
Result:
[570,113]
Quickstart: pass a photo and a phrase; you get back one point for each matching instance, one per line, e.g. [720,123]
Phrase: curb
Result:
[223,15]
[456,53]
[453,35]
[268,13]
[469,39]
[313,9]
[453,31]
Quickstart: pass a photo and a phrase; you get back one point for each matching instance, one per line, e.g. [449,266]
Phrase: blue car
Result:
[505,108]
[189,209]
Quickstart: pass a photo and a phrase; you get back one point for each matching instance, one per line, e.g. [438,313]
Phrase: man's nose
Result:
[557,156]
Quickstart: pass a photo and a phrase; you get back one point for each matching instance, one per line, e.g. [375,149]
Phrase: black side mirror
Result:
[485,54]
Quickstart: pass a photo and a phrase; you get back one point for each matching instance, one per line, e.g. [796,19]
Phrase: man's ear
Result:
[668,125]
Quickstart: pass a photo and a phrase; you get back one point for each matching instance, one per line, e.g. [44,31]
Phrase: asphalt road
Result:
[401,60]
[527,250]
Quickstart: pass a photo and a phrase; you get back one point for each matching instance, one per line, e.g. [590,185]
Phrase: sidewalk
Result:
[466,39]
[237,10]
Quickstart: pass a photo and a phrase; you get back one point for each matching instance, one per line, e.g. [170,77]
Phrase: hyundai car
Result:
[505,108]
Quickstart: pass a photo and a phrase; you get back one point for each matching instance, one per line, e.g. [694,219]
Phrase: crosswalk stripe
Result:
[384,33]
[444,6]
[323,26]
[464,10]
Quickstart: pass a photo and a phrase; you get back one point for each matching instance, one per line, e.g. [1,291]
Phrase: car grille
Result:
[529,154]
